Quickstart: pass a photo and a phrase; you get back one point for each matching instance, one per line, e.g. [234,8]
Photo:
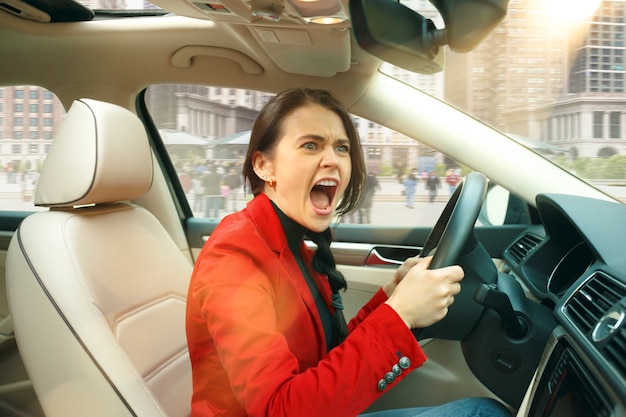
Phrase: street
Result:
[388,209]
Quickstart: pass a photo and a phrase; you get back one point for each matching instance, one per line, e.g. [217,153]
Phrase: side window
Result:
[503,207]
[206,132]
[29,118]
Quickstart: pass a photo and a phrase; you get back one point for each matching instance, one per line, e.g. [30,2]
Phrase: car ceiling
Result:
[200,47]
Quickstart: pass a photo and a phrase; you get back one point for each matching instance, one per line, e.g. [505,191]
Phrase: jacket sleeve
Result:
[378,298]
[265,375]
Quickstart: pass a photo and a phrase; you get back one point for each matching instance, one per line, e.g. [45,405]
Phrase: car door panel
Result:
[374,245]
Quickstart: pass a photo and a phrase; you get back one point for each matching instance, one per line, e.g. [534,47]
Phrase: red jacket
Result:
[256,341]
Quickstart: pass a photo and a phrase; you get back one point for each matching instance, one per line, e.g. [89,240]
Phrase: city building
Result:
[513,68]
[206,112]
[29,116]
[568,93]
[209,113]
[589,120]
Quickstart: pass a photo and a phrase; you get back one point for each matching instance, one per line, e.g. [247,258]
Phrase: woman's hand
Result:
[409,263]
[422,296]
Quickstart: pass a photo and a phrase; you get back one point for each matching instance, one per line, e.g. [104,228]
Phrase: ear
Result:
[262,165]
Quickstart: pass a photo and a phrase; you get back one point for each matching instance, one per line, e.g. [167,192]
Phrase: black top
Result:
[295,233]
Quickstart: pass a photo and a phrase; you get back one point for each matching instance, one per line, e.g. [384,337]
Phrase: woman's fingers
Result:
[423,296]
[400,273]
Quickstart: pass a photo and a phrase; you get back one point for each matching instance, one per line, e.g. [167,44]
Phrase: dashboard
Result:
[574,263]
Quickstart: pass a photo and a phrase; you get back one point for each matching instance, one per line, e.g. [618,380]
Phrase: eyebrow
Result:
[319,138]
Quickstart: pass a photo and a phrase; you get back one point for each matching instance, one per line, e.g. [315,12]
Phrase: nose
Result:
[329,157]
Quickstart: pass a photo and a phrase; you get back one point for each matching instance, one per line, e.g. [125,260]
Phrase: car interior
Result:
[94,274]
[100,324]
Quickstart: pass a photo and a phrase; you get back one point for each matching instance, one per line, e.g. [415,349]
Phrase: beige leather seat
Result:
[96,287]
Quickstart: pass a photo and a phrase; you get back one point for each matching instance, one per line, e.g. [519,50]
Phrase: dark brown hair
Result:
[267,129]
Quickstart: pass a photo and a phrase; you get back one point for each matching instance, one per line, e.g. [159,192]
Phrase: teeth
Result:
[327,183]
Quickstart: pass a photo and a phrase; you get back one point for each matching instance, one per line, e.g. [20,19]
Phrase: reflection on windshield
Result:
[551,76]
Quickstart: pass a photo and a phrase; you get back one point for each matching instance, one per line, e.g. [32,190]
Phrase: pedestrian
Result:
[201,168]
[225,193]
[233,181]
[197,191]
[211,181]
[10,170]
[185,181]
[432,185]
[410,184]
[265,326]
[452,179]
[365,207]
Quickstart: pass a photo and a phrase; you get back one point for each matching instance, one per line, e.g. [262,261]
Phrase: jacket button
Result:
[382,384]
[396,369]
[404,362]
[390,377]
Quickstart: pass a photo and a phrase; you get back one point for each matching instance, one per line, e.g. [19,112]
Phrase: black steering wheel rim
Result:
[452,241]
[456,221]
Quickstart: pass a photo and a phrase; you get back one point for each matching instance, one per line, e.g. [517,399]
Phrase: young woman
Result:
[264,323]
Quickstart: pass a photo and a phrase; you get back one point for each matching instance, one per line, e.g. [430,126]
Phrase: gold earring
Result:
[272,183]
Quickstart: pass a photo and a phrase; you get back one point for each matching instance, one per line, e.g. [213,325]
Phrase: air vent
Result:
[522,246]
[615,351]
[592,300]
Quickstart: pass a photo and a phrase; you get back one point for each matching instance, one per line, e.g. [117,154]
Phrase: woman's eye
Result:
[343,148]
[310,146]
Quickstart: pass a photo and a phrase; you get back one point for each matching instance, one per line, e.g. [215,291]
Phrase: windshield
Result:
[550,76]
[118,4]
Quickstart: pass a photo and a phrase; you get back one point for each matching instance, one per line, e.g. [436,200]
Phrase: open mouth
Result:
[323,194]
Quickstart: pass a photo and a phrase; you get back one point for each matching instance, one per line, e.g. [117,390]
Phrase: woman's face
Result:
[310,166]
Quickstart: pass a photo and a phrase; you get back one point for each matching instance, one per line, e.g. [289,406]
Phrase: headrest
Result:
[100,154]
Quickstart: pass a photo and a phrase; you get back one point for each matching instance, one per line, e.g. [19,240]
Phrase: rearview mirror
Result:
[398,35]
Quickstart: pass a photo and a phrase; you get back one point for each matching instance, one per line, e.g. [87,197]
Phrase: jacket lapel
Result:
[268,224]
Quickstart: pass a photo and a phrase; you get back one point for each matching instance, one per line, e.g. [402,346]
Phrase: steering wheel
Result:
[453,241]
